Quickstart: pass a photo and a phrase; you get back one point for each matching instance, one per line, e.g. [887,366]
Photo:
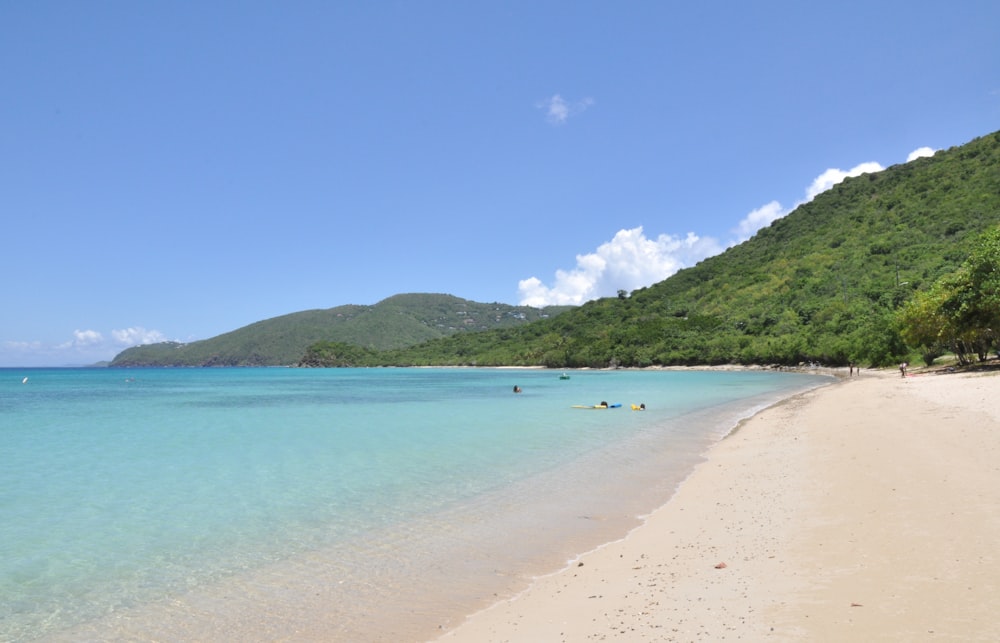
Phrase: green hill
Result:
[821,284]
[396,322]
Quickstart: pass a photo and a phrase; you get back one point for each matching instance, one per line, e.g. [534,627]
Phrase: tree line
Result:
[959,313]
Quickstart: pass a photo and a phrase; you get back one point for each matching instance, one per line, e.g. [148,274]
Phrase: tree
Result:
[924,324]
[961,310]
[976,300]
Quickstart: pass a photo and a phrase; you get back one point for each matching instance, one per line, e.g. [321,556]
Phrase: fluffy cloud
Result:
[767,214]
[833,176]
[83,347]
[558,111]
[920,153]
[137,335]
[629,261]
[760,218]
[86,338]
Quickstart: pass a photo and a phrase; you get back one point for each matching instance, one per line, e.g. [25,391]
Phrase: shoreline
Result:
[866,509]
[402,584]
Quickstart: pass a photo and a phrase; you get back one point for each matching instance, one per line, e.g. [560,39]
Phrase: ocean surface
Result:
[180,504]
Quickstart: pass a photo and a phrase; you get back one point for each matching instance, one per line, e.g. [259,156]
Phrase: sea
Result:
[329,504]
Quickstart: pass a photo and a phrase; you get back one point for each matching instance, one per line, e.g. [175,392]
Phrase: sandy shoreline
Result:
[865,510]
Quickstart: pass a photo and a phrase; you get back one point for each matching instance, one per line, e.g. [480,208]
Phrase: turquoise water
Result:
[124,493]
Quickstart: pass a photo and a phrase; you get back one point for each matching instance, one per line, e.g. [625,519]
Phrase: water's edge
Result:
[413,583]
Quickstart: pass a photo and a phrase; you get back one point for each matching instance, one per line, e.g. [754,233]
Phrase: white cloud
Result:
[767,214]
[86,338]
[83,347]
[629,261]
[759,218]
[137,335]
[833,176]
[21,347]
[920,153]
[558,111]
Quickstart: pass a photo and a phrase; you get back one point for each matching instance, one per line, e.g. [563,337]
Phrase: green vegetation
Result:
[821,284]
[393,323]
[960,312]
[879,266]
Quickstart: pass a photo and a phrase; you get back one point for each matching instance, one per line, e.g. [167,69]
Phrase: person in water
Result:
[517,389]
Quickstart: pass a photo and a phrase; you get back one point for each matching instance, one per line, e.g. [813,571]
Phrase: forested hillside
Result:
[821,284]
[396,322]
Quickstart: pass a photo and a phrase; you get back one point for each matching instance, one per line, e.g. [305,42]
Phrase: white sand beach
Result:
[866,510]
[863,511]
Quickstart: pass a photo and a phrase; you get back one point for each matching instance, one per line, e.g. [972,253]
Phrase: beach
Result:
[865,510]
[286,504]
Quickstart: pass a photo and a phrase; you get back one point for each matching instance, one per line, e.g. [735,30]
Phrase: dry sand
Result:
[863,511]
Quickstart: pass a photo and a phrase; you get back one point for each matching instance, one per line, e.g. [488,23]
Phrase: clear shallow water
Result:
[125,492]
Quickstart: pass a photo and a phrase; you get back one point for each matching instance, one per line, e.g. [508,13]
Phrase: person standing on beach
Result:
[902,369]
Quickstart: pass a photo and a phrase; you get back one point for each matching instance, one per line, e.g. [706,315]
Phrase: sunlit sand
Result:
[866,510]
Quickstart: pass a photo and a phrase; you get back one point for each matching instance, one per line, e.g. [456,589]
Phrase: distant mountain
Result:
[821,284]
[393,323]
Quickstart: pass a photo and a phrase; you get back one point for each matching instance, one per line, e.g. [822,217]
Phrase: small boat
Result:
[564,376]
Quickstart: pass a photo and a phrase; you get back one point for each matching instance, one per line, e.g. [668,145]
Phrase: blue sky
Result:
[179,170]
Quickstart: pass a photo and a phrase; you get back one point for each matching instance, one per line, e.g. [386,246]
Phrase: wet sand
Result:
[865,510]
